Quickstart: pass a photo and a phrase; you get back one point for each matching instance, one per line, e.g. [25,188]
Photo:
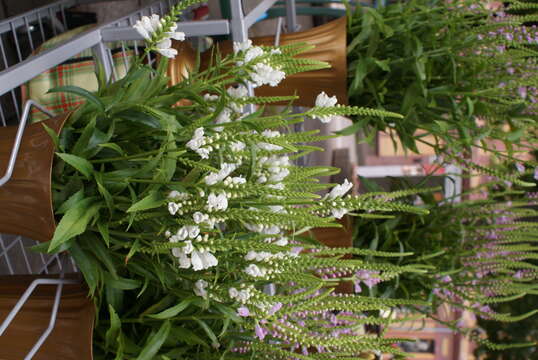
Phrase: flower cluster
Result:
[261,72]
[158,33]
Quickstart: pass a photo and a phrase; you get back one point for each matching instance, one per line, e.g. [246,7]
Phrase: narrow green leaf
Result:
[82,165]
[87,265]
[113,331]
[114,147]
[80,92]
[72,201]
[123,283]
[173,311]
[53,135]
[154,343]
[153,200]
[209,332]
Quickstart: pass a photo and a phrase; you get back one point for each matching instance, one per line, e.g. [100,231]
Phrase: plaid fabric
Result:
[77,71]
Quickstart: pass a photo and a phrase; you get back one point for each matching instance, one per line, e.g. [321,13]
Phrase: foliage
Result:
[463,73]
[188,222]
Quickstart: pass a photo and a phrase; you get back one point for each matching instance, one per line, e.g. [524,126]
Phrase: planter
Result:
[27,198]
[330,46]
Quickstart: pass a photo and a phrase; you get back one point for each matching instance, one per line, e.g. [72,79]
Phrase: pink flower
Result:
[260,332]
[243,311]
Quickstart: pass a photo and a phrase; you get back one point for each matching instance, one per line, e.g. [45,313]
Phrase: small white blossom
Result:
[254,271]
[196,261]
[176,35]
[165,48]
[283,241]
[200,287]
[237,146]
[188,247]
[184,261]
[198,217]
[237,92]
[223,118]
[225,170]
[266,75]
[203,153]
[242,46]
[232,292]
[217,202]
[193,231]
[253,53]
[198,139]
[323,100]
[208,259]
[243,296]
[182,233]
[338,213]
[146,26]
[340,190]
[173,208]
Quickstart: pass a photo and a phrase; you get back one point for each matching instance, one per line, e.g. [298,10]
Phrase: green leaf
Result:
[209,332]
[173,311]
[114,147]
[153,200]
[74,222]
[69,203]
[103,230]
[113,331]
[123,283]
[88,266]
[80,92]
[154,343]
[82,165]
[82,142]
[53,135]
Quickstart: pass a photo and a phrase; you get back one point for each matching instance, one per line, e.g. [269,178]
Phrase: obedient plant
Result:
[190,223]
[482,253]
[461,71]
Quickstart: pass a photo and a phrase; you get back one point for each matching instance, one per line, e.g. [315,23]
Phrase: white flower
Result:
[203,152]
[223,118]
[164,48]
[209,97]
[217,202]
[237,92]
[225,170]
[239,180]
[340,190]
[173,208]
[237,146]
[184,261]
[232,292]
[176,35]
[251,255]
[243,296]
[323,100]
[253,270]
[338,213]
[265,74]
[196,260]
[253,53]
[182,233]
[200,287]
[208,259]
[193,231]
[146,26]
[198,139]
[167,233]
[278,177]
[188,247]
[242,46]
[198,217]
[283,241]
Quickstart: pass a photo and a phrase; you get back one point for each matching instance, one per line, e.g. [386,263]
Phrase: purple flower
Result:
[275,308]
[243,311]
[260,332]
[536,173]
[520,167]
[522,91]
